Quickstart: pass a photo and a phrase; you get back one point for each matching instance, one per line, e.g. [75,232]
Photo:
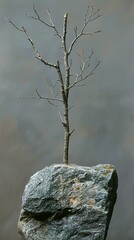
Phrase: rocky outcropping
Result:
[68,202]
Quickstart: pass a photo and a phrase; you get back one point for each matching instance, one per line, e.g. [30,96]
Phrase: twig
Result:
[41,97]
[38,18]
[53,25]
[87,18]
[37,55]
[85,65]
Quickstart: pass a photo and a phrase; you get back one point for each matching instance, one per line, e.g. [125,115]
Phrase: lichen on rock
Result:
[68,202]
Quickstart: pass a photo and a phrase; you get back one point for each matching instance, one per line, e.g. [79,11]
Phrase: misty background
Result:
[31,133]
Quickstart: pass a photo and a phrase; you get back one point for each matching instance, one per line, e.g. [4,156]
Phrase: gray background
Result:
[31,134]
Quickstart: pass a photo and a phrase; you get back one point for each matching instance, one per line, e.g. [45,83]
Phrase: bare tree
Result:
[67,82]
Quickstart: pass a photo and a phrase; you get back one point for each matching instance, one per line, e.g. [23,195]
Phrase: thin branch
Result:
[89,17]
[61,118]
[71,132]
[37,54]
[85,77]
[19,29]
[75,31]
[94,14]
[91,33]
[87,12]
[53,25]
[38,18]
[53,104]
[48,98]
[43,98]
[51,87]
[91,73]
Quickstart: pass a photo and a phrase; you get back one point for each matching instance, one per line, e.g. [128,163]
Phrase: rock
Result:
[68,202]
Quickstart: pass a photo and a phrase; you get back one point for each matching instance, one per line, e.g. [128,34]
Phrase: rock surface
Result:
[68,202]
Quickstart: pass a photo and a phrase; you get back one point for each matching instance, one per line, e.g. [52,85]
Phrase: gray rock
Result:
[68,202]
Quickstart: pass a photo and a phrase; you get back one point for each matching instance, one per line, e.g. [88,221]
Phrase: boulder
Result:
[68,202]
